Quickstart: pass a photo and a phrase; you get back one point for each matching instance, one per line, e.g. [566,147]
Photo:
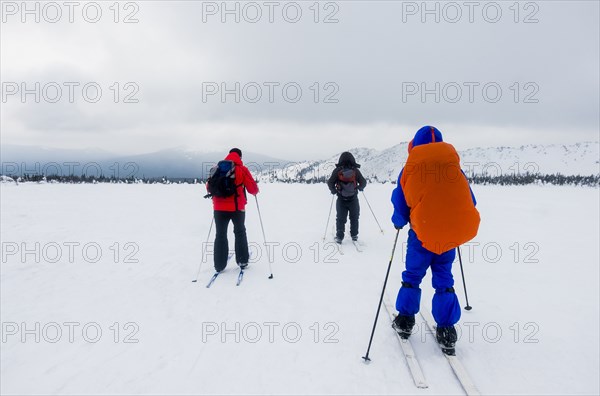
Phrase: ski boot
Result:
[338,240]
[355,238]
[403,324]
[446,337]
[243,266]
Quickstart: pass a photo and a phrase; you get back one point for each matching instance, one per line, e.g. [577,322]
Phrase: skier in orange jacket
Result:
[434,196]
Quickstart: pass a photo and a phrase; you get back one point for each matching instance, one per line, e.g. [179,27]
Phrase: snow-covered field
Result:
[97,298]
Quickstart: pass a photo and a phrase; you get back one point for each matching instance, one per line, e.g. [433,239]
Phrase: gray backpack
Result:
[347,182]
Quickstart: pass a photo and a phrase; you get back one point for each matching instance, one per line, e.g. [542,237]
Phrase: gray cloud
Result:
[370,58]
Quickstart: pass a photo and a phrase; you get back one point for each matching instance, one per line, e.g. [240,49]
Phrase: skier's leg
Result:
[354,215]
[341,207]
[221,247]
[445,305]
[241,240]
[418,260]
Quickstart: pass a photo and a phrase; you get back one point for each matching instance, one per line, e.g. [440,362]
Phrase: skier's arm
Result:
[249,182]
[401,215]
[362,182]
[332,180]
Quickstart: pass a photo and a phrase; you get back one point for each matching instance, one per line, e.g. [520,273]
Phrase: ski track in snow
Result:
[548,299]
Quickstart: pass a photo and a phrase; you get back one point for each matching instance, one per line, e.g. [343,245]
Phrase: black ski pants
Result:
[343,208]
[222,219]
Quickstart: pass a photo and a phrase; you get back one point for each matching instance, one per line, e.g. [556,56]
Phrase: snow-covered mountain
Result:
[377,165]
[575,159]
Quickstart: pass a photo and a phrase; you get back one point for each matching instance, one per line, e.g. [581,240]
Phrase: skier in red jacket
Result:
[233,208]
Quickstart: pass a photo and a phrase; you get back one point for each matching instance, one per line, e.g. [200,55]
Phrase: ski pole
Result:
[328,217]
[387,274]
[207,238]
[468,307]
[264,238]
[373,213]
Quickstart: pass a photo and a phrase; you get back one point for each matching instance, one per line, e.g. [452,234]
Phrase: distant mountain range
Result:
[378,165]
[174,163]
[385,165]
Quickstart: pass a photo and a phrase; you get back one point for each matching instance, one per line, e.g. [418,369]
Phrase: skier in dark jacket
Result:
[346,181]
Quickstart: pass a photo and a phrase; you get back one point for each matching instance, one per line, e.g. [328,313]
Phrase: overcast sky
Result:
[493,74]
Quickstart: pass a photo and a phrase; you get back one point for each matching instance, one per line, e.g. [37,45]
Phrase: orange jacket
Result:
[442,211]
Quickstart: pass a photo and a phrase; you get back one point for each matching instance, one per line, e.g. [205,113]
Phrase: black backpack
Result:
[347,182]
[221,182]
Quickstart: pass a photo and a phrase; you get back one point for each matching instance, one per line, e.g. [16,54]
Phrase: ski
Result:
[459,370]
[409,354]
[212,280]
[337,245]
[339,248]
[214,277]
[240,277]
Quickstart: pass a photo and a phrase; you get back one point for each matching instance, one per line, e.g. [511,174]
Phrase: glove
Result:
[397,227]
[333,192]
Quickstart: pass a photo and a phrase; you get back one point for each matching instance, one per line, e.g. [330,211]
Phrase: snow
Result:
[541,291]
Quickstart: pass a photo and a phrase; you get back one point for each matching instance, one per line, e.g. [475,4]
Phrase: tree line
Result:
[502,180]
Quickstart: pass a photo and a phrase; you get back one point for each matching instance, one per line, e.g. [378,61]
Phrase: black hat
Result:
[236,150]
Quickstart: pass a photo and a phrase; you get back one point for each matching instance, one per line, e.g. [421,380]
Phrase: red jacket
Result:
[244,181]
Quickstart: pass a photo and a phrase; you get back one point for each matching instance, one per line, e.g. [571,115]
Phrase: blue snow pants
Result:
[445,306]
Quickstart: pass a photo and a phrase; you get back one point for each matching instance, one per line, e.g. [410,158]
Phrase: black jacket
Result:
[346,161]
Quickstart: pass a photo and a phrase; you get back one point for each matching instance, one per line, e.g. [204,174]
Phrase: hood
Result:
[347,159]
[235,158]
[427,134]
